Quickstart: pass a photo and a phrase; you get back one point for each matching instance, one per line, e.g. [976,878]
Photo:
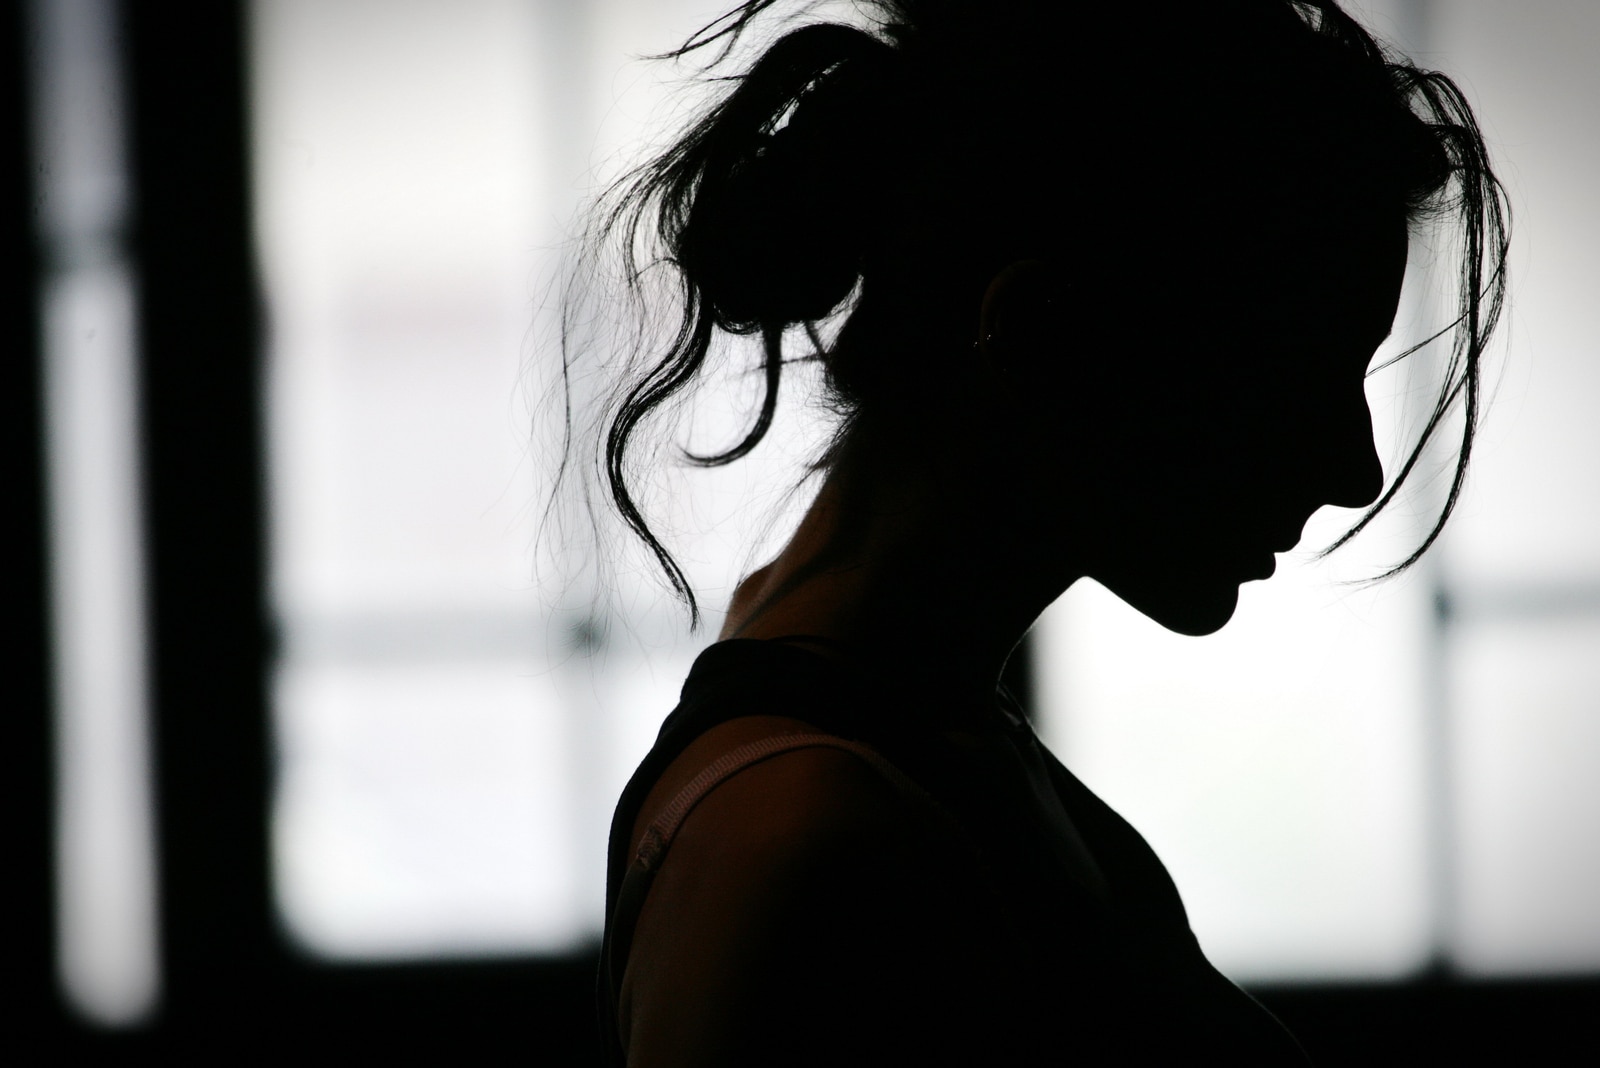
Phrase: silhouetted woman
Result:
[1110,277]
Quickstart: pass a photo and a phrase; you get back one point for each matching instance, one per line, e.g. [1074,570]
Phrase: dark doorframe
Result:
[29,735]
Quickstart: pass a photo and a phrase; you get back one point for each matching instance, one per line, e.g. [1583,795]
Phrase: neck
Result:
[919,571]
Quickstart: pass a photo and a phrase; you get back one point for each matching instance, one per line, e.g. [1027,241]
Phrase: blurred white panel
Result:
[424,806]
[106,919]
[1274,766]
[1527,742]
[1530,70]
[105,842]
[402,200]
[395,458]
[1525,691]
[423,809]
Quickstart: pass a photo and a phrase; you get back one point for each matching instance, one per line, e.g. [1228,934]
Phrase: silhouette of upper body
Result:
[973,904]
[1110,282]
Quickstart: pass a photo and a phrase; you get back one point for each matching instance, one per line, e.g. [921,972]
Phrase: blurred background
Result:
[317,750]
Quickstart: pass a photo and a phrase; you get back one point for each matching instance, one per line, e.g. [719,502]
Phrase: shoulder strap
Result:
[664,828]
[657,838]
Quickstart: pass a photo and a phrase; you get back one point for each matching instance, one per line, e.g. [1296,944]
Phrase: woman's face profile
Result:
[1204,441]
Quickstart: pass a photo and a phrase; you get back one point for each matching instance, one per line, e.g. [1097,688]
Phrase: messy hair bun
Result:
[775,230]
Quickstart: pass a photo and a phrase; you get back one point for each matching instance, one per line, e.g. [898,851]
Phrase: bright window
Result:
[1344,784]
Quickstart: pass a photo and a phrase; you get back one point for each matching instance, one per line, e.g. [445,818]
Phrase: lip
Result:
[1290,535]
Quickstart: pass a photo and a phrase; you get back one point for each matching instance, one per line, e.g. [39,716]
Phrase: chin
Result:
[1186,609]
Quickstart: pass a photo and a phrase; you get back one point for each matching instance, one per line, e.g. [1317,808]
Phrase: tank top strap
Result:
[664,828]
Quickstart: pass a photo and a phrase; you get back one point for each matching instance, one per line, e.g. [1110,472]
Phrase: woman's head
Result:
[1177,230]
[1175,462]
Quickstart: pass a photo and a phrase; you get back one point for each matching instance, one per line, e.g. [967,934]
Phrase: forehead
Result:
[1341,268]
[1354,266]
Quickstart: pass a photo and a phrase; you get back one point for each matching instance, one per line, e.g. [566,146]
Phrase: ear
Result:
[1022,308]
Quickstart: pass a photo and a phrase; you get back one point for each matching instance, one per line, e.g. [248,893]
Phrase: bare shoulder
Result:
[807,789]
[795,860]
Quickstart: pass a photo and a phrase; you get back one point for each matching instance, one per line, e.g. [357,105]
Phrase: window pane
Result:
[423,808]
[105,839]
[1534,513]
[106,867]
[1527,739]
[1273,766]
[403,191]
[400,190]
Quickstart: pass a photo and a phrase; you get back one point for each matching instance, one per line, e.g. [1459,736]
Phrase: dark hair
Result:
[805,191]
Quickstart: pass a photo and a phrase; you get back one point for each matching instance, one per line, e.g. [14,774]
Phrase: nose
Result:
[1354,474]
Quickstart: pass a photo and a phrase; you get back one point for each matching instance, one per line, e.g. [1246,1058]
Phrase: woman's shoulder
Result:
[794,866]
[788,791]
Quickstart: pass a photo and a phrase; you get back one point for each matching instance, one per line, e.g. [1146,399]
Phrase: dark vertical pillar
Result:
[28,749]
[199,352]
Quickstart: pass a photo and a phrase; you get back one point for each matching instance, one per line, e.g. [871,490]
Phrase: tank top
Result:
[1053,932]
